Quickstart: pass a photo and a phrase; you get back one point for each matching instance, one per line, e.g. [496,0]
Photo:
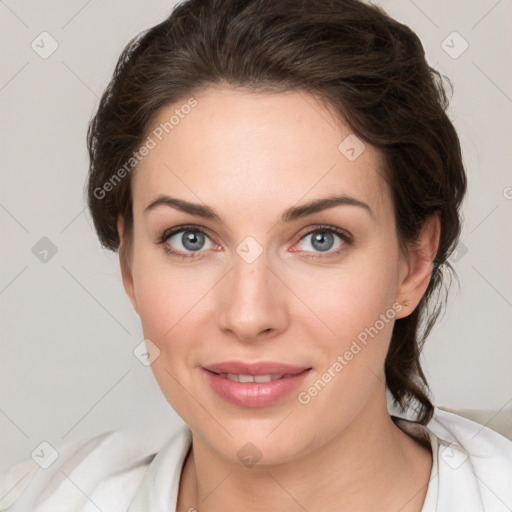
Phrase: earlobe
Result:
[417,267]
[124,263]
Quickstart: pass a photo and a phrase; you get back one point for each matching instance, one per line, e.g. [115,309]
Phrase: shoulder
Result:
[479,441]
[106,469]
[472,459]
[472,468]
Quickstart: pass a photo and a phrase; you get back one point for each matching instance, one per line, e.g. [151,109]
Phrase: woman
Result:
[283,186]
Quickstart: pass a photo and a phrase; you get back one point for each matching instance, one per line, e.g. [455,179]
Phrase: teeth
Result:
[261,378]
[251,378]
[244,378]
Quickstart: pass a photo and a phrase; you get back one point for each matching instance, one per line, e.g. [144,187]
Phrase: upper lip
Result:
[260,368]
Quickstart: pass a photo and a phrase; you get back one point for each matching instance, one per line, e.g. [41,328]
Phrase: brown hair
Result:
[370,68]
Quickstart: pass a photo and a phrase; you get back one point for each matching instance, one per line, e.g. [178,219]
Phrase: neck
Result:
[370,465]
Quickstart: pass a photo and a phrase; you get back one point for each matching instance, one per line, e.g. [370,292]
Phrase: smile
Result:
[246,390]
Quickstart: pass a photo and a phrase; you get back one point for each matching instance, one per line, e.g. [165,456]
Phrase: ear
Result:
[125,264]
[417,265]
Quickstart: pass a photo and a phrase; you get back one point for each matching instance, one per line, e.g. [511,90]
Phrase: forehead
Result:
[256,149]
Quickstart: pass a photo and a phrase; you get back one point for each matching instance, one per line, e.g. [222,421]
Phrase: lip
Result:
[261,368]
[256,394]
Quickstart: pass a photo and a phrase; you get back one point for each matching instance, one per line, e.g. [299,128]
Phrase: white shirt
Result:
[117,472]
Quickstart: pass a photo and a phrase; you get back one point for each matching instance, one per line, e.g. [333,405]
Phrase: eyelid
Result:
[185,227]
[326,227]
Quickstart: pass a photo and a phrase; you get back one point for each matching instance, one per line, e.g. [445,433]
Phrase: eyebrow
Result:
[289,215]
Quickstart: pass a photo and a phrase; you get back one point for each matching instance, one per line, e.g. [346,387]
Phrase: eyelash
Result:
[345,237]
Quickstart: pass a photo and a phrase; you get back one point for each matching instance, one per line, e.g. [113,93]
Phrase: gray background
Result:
[67,370]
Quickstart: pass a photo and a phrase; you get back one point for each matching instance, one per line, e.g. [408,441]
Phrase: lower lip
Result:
[254,394]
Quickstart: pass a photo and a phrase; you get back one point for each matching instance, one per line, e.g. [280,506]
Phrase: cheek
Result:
[356,305]
[168,301]
[156,302]
[357,312]
[168,294]
[169,304]
[351,297]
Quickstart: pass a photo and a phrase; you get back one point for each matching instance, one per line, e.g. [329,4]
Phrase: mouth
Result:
[256,386]
[263,368]
[269,377]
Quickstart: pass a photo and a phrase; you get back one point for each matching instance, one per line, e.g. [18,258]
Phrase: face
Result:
[263,279]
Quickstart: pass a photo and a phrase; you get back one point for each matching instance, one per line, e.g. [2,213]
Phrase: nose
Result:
[253,301]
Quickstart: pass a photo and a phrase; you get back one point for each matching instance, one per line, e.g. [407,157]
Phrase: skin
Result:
[250,157]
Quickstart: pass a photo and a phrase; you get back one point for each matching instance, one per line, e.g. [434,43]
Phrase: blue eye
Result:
[186,239]
[327,240]
[191,240]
